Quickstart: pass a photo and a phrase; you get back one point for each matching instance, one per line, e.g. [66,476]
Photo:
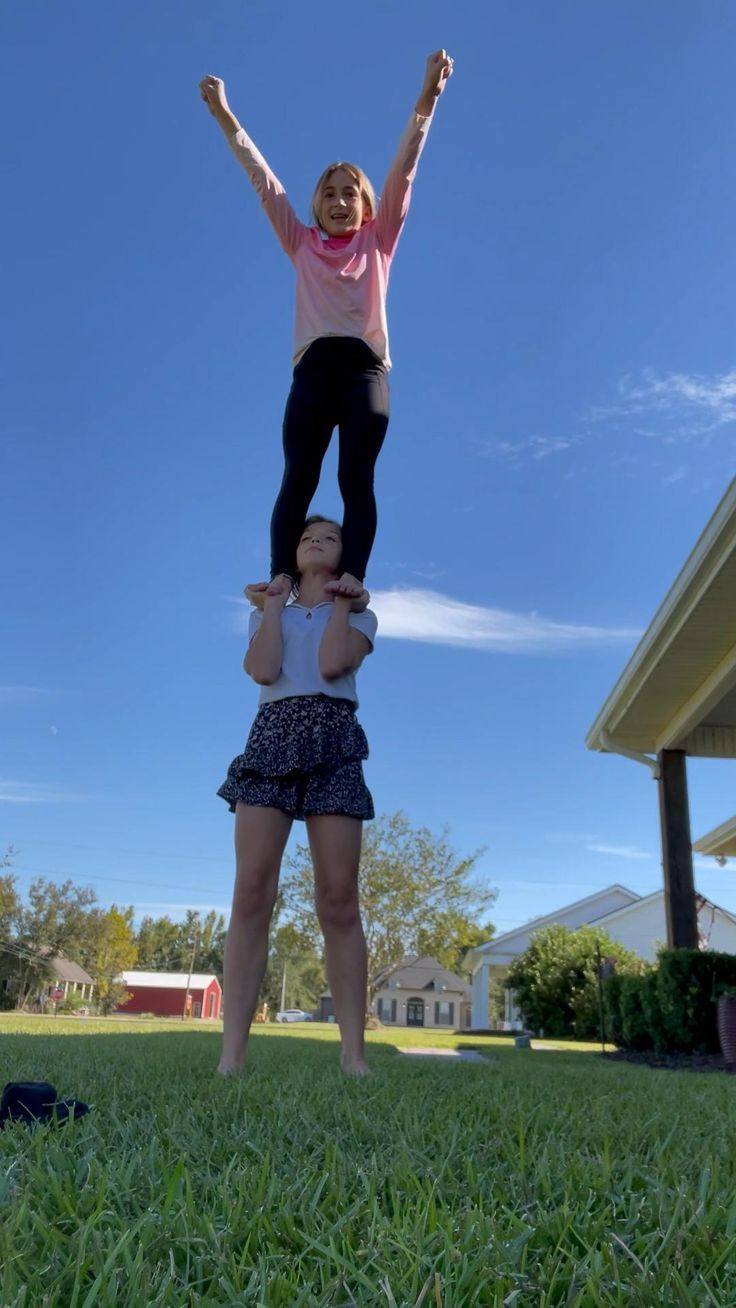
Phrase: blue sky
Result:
[563,424]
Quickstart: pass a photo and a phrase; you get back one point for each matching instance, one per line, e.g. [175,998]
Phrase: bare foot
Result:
[355,1067]
[256,594]
[347,587]
[229,1069]
[281,584]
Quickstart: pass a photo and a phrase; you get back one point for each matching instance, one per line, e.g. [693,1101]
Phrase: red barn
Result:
[165,994]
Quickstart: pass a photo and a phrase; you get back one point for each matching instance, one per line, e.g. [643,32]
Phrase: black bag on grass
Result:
[32,1102]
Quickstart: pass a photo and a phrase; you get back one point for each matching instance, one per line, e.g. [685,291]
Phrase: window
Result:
[444,1013]
[387,1010]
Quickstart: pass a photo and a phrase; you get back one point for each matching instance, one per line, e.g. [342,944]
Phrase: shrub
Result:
[672,1008]
[69,1004]
[652,1010]
[636,1031]
[556,979]
[689,984]
[612,1009]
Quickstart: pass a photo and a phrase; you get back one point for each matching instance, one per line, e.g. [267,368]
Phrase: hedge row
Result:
[672,1007]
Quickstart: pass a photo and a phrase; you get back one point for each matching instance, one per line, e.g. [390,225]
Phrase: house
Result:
[166,994]
[639,922]
[418,991]
[676,699]
[59,974]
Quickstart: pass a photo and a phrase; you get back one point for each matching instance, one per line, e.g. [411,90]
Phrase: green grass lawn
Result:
[543,1178]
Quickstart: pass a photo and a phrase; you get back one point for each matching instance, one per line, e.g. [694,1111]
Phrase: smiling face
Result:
[342,209]
[320,546]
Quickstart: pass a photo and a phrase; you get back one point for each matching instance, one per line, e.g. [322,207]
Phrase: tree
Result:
[10,903]
[157,942]
[413,888]
[556,979]
[53,922]
[110,950]
[202,940]
[166,946]
[55,918]
[294,951]
[450,938]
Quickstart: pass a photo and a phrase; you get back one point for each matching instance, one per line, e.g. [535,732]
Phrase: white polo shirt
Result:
[302,630]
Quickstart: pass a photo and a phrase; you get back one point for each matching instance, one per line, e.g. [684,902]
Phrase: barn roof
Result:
[169,980]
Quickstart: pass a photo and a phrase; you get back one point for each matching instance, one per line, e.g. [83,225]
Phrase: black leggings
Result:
[338,382]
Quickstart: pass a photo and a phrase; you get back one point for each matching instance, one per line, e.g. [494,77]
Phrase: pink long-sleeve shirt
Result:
[341,282]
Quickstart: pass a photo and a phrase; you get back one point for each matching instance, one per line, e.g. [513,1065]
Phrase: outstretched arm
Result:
[272,194]
[212,91]
[394,203]
[436,76]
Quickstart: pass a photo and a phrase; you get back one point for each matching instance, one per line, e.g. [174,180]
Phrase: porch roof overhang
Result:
[720,842]
[678,690]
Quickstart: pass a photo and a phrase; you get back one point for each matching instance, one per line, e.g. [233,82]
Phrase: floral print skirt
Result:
[304,755]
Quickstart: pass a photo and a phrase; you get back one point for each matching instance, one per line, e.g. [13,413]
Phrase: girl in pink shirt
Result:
[341,353]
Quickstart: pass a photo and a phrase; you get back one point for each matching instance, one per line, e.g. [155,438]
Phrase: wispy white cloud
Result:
[677,474]
[533,449]
[432,618]
[623,851]
[20,694]
[689,406]
[27,792]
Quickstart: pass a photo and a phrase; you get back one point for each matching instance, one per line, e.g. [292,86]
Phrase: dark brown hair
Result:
[313,517]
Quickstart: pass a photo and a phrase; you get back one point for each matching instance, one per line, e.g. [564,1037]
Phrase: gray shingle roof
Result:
[420,973]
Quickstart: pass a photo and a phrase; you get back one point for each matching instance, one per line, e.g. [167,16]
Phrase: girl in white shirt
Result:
[303,759]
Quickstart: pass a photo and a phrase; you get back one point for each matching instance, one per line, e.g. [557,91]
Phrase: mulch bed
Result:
[672,1062]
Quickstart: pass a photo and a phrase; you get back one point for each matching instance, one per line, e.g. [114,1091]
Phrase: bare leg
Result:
[335,845]
[260,838]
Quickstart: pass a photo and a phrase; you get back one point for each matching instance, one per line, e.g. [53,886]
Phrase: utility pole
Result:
[283,990]
[189,978]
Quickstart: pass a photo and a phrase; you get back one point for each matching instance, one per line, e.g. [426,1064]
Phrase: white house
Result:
[636,921]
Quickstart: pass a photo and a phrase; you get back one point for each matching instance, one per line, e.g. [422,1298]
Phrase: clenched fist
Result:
[212,91]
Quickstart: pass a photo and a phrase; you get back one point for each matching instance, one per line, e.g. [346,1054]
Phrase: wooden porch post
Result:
[677,855]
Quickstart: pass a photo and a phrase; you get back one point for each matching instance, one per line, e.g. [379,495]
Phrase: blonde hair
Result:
[363,183]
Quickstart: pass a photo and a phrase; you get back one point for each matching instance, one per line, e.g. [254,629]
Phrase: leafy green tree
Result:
[10,904]
[204,940]
[292,951]
[110,950]
[53,921]
[157,941]
[55,917]
[413,887]
[167,946]
[450,938]
[556,979]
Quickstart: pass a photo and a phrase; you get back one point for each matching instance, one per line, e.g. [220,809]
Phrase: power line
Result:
[100,876]
[135,853]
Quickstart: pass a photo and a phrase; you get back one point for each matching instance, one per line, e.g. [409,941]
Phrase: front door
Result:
[415,1012]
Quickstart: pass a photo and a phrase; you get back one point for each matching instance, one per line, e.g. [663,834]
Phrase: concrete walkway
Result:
[455,1055]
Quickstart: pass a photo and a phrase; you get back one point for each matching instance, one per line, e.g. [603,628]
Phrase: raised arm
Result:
[273,197]
[342,648]
[394,203]
[265,652]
